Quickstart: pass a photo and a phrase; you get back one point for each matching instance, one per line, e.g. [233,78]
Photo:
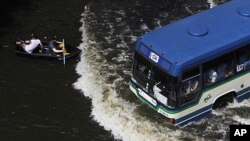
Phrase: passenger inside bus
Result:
[230,72]
[222,71]
[194,85]
[190,86]
[212,76]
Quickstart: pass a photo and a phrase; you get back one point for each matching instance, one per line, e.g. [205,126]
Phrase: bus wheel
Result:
[223,101]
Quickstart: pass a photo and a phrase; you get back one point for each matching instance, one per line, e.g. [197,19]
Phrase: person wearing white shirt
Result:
[30,45]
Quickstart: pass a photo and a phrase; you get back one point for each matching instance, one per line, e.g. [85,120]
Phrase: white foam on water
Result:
[144,27]
[157,22]
[235,104]
[189,10]
[211,3]
[241,120]
[121,12]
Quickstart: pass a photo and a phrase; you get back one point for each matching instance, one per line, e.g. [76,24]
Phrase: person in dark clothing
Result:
[56,46]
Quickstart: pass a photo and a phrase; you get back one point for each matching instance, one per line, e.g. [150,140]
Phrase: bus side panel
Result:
[233,84]
[211,94]
[244,92]
[195,116]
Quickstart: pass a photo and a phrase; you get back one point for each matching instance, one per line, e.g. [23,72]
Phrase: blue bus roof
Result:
[201,37]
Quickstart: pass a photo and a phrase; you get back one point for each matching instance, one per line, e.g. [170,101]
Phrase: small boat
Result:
[47,53]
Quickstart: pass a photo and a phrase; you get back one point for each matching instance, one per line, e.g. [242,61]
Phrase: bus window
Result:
[190,85]
[218,69]
[164,88]
[243,61]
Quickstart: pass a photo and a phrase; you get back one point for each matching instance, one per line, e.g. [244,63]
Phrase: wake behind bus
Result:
[186,69]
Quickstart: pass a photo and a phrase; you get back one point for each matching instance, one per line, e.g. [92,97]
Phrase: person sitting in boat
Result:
[57,46]
[30,45]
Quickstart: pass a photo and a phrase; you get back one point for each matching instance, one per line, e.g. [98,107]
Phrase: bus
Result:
[186,69]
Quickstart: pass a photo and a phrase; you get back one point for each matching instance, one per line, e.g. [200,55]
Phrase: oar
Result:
[64,60]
